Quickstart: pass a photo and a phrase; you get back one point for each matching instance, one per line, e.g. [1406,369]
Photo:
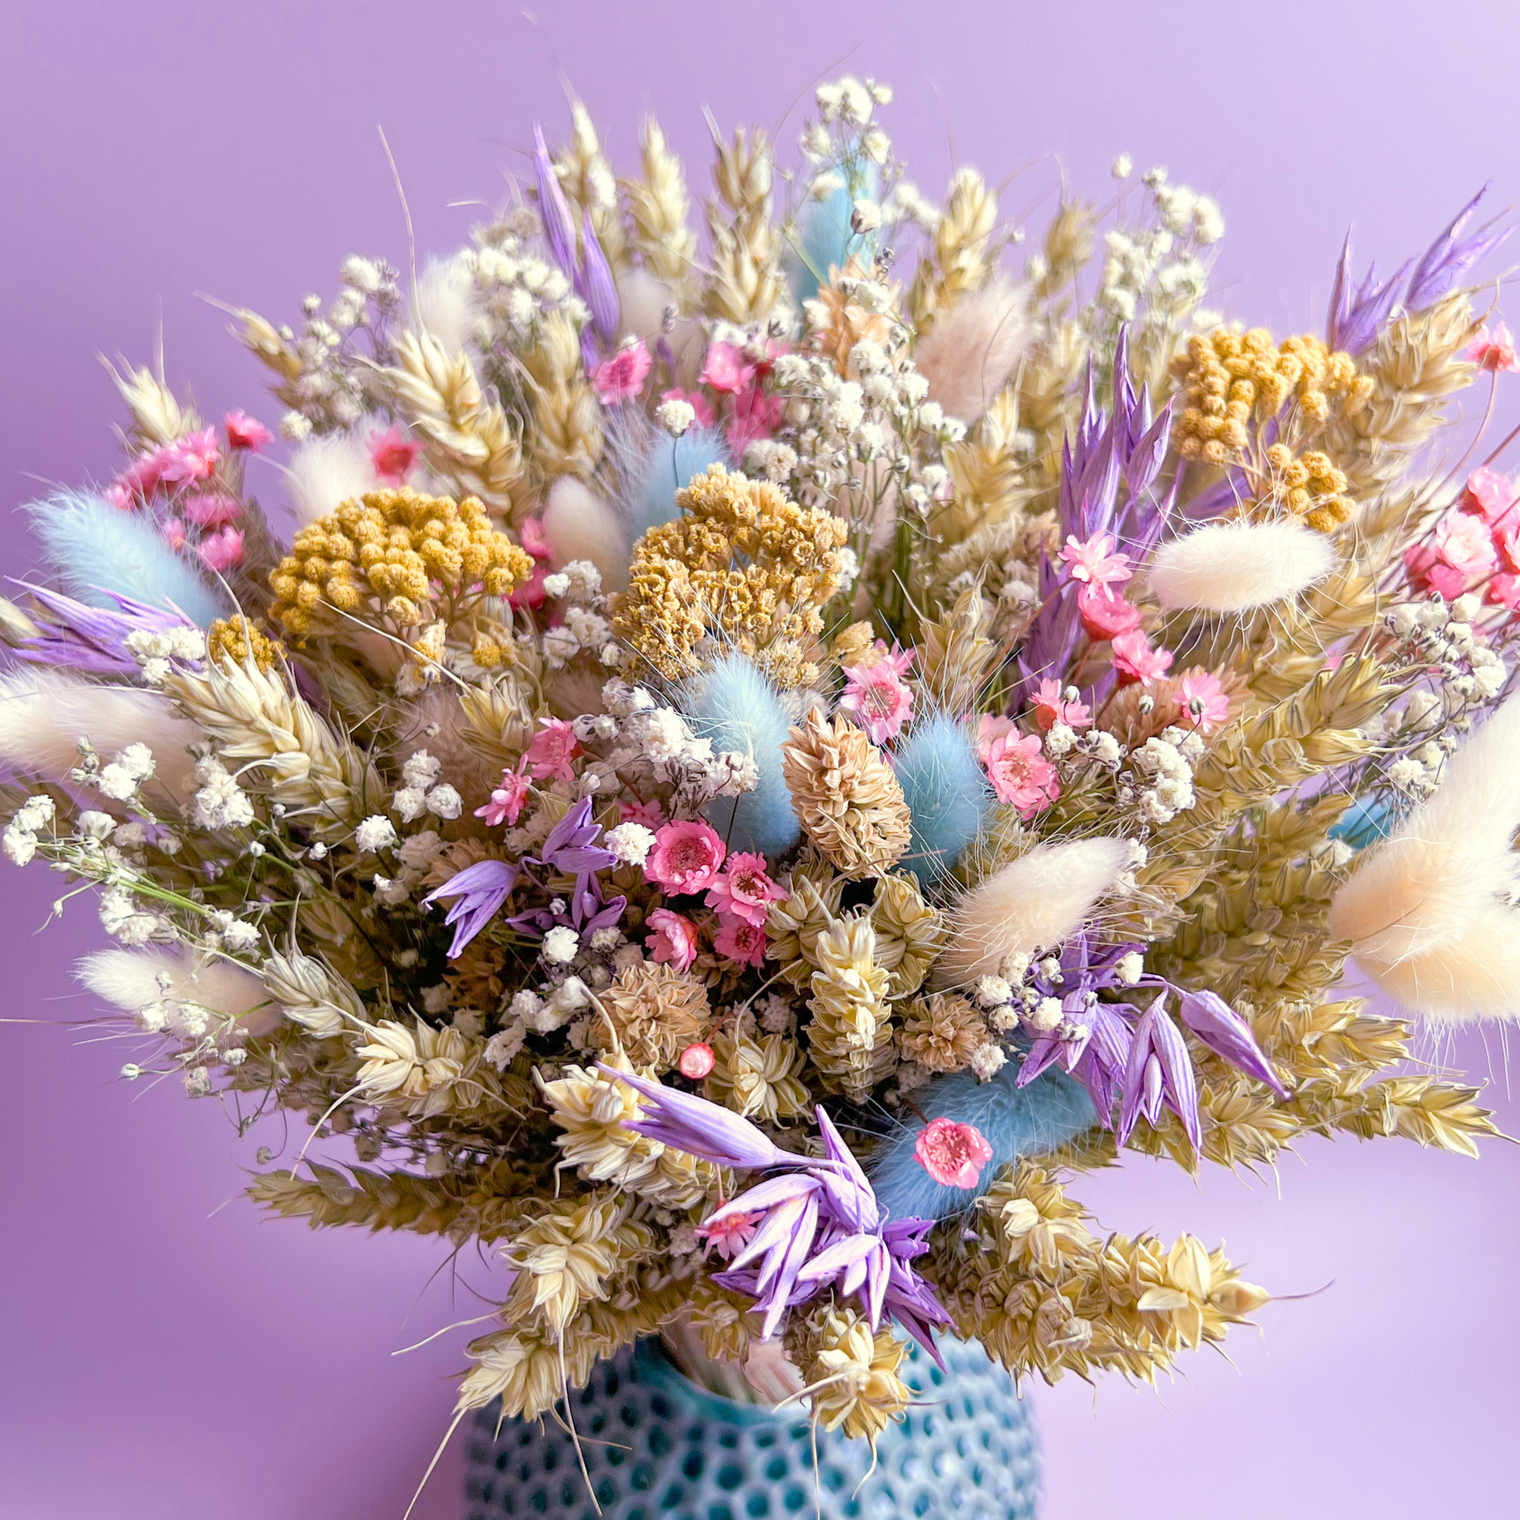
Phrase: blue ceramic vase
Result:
[657,1444]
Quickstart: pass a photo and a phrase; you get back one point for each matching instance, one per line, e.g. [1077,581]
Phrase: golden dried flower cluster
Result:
[395,554]
[741,563]
[236,639]
[655,1013]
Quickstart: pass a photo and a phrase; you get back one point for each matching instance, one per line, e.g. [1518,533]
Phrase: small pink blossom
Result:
[221,551]
[1202,699]
[1490,494]
[1507,546]
[121,495]
[730,1235]
[245,432]
[696,1061]
[1494,352]
[1503,590]
[752,419]
[554,746]
[695,400]
[674,941]
[744,890]
[740,942]
[1050,708]
[507,799]
[952,1154]
[878,696]
[211,509]
[532,537]
[687,855]
[726,369]
[1096,563]
[1021,775]
[650,814]
[393,454]
[174,533]
[1135,660]
[1428,571]
[989,730]
[1103,616]
[621,377]
[194,457]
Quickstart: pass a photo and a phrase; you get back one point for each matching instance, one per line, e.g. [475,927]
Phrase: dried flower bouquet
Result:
[767,752]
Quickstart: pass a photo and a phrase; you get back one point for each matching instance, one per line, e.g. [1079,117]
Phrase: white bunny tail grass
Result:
[1232,567]
[326,472]
[1425,911]
[45,713]
[580,525]
[1035,902]
[445,307]
[133,980]
[973,347]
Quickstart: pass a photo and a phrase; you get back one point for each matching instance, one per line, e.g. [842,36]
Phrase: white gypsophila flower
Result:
[675,416]
[556,585]
[603,940]
[116,782]
[374,834]
[1060,740]
[560,646]
[130,836]
[137,761]
[503,1047]
[524,1005]
[220,803]
[121,917]
[991,991]
[1123,166]
[197,1083]
[36,812]
[630,842]
[987,1060]
[585,579]
[420,769]
[239,935]
[318,851]
[590,628]
[409,804]
[20,845]
[1046,1014]
[444,801]
[436,999]
[561,945]
[865,216]
[1129,968]
[419,851]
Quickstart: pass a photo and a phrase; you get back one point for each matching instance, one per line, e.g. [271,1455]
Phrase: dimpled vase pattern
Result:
[966,1449]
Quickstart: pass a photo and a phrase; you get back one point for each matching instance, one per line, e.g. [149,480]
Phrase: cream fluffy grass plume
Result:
[753,707]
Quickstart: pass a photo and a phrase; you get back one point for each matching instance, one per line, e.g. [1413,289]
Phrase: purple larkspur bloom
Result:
[481,889]
[596,286]
[1159,1074]
[93,639]
[818,1226]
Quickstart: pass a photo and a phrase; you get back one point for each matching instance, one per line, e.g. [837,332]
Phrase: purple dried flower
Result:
[553,208]
[481,890]
[571,846]
[595,285]
[1449,258]
[1356,315]
[93,639]
[1159,1074]
[1229,1036]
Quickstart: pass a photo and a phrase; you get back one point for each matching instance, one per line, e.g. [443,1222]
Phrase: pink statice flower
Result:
[649,814]
[674,941]
[695,400]
[1135,660]
[952,1154]
[1203,700]
[755,416]
[1494,351]
[989,730]
[245,432]
[211,509]
[621,377]
[174,533]
[878,695]
[726,369]
[687,856]
[554,746]
[1103,616]
[744,890]
[1020,774]
[740,942]
[1096,563]
[507,798]
[1490,494]
[1461,553]
[189,459]
[1051,707]
[532,537]
[221,550]
[730,1234]
[393,454]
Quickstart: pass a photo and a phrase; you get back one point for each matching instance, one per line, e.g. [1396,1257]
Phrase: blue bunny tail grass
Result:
[1016,1121]
[825,238]
[649,496]
[96,548]
[946,792]
[1365,822]
[737,708]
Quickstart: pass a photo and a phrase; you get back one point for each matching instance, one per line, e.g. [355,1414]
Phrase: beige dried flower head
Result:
[909,932]
[942,1032]
[837,322]
[850,1035]
[424,1070]
[851,1373]
[845,795]
[655,1014]
[1199,1295]
[757,1078]
[793,925]
[725,1320]
[741,562]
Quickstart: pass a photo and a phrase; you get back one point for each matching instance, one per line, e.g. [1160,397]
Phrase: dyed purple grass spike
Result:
[553,208]
[1229,1036]
[1449,258]
[93,639]
[1159,1074]
[595,285]
[481,890]
[1356,315]
[708,1130]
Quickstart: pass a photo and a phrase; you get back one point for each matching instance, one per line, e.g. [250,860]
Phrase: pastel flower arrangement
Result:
[760,761]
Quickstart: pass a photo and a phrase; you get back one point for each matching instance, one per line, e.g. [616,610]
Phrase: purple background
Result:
[166,1357]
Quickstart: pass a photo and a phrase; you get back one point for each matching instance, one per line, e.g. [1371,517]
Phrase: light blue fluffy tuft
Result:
[737,708]
[669,466]
[825,238]
[947,794]
[1015,1121]
[96,548]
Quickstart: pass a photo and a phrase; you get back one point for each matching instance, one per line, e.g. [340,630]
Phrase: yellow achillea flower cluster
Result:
[399,555]
[741,562]
[236,639]
[1232,383]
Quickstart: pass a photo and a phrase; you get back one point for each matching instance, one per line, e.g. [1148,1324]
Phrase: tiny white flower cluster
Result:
[582,625]
[512,286]
[420,792]
[659,740]
[156,652]
[20,838]
[219,803]
[1168,759]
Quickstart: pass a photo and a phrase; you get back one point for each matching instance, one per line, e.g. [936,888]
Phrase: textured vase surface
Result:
[656,1444]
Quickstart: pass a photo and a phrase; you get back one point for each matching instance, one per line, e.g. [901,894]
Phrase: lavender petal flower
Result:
[93,639]
[1449,258]
[553,208]
[1228,1035]
[1356,316]
[1159,1073]
[571,846]
[481,890]
[596,286]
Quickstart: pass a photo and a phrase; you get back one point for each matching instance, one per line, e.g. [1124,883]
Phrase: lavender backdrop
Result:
[167,1357]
